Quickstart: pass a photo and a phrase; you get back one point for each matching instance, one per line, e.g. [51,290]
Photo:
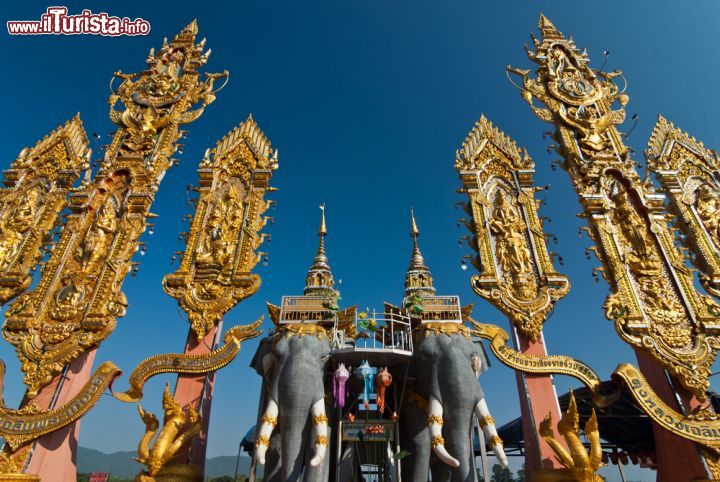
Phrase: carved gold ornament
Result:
[75,305]
[30,422]
[654,303]
[516,273]
[545,364]
[688,171]
[442,328]
[580,464]
[215,273]
[177,431]
[38,182]
[192,364]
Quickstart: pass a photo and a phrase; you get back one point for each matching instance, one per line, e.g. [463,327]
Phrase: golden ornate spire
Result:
[418,279]
[319,280]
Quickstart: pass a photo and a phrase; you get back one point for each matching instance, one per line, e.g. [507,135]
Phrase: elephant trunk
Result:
[320,427]
[487,423]
[435,423]
[262,438]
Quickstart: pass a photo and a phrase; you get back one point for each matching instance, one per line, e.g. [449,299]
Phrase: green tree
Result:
[501,474]
[520,476]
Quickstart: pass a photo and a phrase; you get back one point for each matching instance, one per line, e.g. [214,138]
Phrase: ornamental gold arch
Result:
[215,270]
[654,304]
[688,173]
[78,299]
[37,184]
[516,273]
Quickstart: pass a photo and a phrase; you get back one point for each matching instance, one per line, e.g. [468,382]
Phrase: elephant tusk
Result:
[487,423]
[262,439]
[320,425]
[435,423]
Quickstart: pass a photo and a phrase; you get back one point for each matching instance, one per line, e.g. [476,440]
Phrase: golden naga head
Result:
[580,464]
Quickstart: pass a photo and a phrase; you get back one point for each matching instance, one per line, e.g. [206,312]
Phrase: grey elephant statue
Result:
[437,419]
[293,363]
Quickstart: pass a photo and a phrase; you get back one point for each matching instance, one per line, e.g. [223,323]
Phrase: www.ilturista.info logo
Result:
[56,21]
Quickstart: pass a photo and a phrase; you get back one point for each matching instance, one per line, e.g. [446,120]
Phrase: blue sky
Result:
[367,102]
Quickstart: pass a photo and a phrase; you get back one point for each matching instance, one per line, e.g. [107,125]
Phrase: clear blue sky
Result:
[367,102]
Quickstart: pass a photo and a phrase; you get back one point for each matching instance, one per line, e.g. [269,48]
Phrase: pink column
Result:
[537,399]
[196,390]
[54,456]
[677,458]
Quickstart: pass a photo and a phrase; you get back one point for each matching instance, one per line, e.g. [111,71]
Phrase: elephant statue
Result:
[293,364]
[437,420]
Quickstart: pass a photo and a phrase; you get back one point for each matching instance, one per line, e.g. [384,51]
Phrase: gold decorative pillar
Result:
[516,273]
[37,184]
[57,326]
[215,272]
[654,304]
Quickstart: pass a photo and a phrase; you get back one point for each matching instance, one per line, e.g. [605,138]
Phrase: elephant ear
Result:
[479,351]
[262,360]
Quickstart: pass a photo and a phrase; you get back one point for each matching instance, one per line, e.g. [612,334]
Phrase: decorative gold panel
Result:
[688,173]
[516,273]
[215,271]
[653,302]
[38,182]
[74,306]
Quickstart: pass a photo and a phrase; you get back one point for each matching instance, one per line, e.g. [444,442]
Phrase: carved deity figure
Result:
[639,251]
[510,245]
[99,236]
[708,209]
[218,242]
[16,224]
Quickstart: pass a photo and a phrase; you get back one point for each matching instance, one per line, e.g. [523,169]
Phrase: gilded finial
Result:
[414,231]
[323,227]
[417,279]
[319,280]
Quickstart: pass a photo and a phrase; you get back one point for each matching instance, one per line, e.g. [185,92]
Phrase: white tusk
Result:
[488,426]
[262,438]
[435,422]
[320,426]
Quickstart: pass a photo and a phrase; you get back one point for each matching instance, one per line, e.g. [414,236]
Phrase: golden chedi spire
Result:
[319,280]
[417,279]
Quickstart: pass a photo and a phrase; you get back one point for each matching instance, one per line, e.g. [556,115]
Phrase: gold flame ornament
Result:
[37,184]
[75,305]
[516,272]
[215,273]
[177,431]
[580,464]
[654,304]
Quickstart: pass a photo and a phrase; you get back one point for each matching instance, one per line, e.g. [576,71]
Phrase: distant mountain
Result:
[122,464]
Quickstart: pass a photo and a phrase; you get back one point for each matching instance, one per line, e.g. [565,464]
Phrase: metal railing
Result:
[377,331]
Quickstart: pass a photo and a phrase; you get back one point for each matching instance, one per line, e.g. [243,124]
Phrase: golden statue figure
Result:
[708,209]
[99,236]
[580,466]
[177,431]
[217,248]
[641,257]
[512,252]
[17,223]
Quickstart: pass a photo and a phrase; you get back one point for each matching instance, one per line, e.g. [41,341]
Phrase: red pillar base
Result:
[54,456]
[678,459]
[537,400]
[196,390]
